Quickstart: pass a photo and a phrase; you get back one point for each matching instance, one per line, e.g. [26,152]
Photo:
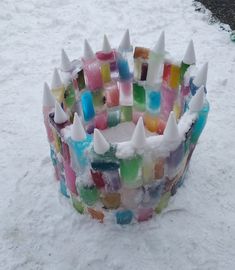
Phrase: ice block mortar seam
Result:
[127,181]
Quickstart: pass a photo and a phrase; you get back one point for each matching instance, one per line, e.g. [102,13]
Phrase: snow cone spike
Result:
[48,99]
[101,146]
[78,132]
[189,57]
[60,116]
[65,62]
[88,52]
[160,46]
[171,132]
[196,103]
[56,80]
[201,77]
[106,45]
[138,138]
[125,44]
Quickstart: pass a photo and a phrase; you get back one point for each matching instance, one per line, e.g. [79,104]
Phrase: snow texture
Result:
[38,228]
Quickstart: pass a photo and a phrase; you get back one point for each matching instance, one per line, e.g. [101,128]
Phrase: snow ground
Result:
[38,229]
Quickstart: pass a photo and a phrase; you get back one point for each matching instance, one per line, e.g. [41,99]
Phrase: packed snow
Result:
[38,228]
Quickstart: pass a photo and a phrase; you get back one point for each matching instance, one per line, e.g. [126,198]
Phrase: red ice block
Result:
[111,94]
[98,178]
[101,120]
[46,112]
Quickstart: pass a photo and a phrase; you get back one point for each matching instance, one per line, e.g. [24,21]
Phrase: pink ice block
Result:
[46,112]
[168,98]
[144,214]
[70,178]
[185,89]
[136,115]
[92,75]
[105,56]
[125,92]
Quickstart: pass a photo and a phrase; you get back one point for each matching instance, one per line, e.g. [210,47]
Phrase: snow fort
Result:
[122,125]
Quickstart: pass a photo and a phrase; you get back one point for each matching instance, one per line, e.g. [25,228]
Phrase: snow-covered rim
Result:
[156,145]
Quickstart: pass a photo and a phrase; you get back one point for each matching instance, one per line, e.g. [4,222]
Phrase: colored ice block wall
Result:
[103,90]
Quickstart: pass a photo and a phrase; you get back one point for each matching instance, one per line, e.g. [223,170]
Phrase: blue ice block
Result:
[123,68]
[53,156]
[78,149]
[105,162]
[200,123]
[124,217]
[87,106]
[176,156]
[63,187]
[153,100]
[194,88]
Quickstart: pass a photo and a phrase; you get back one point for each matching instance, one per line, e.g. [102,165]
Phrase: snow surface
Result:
[38,228]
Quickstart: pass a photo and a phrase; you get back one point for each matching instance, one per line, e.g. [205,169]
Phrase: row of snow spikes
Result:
[188,59]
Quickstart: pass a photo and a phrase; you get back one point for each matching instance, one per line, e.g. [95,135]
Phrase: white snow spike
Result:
[60,116]
[189,57]
[56,80]
[88,52]
[65,62]
[201,77]
[196,103]
[171,132]
[48,99]
[160,46]
[78,132]
[125,44]
[101,146]
[138,139]
[106,45]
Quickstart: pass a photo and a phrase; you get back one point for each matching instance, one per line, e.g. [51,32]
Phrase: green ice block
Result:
[89,195]
[98,98]
[69,96]
[113,118]
[126,113]
[163,202]
[130,170]
[77,204]
[139,96]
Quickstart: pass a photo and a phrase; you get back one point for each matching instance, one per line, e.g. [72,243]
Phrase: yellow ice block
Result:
[175,77]
[147,170]
[151,122]
[57,142]
[105,72]
[58,93]
[177,110]
[137,69]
